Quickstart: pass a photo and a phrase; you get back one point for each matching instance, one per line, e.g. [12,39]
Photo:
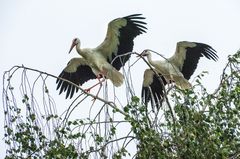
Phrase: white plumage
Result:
[98,63]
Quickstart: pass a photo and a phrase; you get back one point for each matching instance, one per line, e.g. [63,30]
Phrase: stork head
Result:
[145,53]
[75,42]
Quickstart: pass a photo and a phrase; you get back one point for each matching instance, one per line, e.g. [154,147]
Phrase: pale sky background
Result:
[38,34]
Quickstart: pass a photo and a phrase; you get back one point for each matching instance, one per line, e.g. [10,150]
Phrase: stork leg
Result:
[99,82]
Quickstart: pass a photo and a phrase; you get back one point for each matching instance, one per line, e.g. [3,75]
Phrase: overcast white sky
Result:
[38,34]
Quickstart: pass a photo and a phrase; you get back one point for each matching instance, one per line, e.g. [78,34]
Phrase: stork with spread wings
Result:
[104,60]
[178,69]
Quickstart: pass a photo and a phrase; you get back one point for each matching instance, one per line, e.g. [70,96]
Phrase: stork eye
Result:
[74,40]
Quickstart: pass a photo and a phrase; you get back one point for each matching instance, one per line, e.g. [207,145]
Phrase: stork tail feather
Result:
[116,77]
[182,83]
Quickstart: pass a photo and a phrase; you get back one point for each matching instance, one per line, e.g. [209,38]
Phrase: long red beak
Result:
[72,46]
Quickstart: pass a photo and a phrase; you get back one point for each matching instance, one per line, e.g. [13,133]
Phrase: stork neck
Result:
[85,53]
[149,57]
[78,48]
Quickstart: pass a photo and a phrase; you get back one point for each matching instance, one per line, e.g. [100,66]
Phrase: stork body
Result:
[169,70]
[178,68]
[99,64]
[104,60]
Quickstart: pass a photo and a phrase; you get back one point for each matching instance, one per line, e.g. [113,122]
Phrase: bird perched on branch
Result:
[105,60]
[178,69]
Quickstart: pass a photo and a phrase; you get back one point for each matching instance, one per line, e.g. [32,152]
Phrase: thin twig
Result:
[111,104]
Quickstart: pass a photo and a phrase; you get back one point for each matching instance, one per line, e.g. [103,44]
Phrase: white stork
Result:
[104,60]
[178,68]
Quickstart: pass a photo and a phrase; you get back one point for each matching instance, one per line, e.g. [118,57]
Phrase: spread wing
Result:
[77,71]
[119,39]
[152,88]
[188,54]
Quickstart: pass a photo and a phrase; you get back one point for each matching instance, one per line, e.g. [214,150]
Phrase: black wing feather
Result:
[193,55]
[127,34]
[83,74]
[154,92]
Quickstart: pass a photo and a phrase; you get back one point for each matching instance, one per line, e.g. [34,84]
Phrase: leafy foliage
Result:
[193,124]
